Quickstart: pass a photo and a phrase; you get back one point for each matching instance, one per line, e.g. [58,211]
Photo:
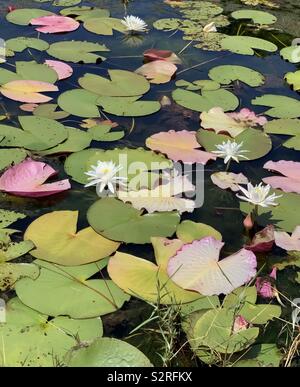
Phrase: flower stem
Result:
[254,213]
[228,165]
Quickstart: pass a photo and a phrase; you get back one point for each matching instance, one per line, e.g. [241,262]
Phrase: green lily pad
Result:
[206,100]
[288,127]
[188,231]
[229,73]
[291,54]
[240,297]
[77,51]
[284,215]
[77,140]
[121,84]
[245,45]
[168,24]
[38,133]
[149,281]
[281,106]
[128,106]
[11,156]
[28,71]
[65,3]
[11,272]
[79,102]
[9,217]
[203,303]
[107,352]
[257,17]
[57,240]
[210,42]
[23,16]
[113,136]
[35,71]
[67,291]
[8,76]
[104,25]
[83,13]
[118,221]
[203,10]
[214,330]
[256,142]
[21,43]
[195,16]
[260,355]
[31,339]
[48,110]
[15,250]
[293,79]
[243,301]
[77,164]
[202,84]
[102,132]
[260,314]
[285,126]
[293,143]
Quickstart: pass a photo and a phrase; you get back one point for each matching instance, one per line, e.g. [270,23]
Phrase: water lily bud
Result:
[165,101]
[265,288]
[273,273]
[11,8]
[248,222]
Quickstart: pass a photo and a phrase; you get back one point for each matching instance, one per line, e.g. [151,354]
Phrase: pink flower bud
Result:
[273,273]
[248,222]
[11,8]
[264,288]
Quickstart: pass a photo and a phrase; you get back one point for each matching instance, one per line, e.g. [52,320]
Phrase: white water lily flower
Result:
[230,150]
[104,175]
[211,27]
[134,24]
[258,195]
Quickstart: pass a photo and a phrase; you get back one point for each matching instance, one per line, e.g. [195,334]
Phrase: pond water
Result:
[221,207]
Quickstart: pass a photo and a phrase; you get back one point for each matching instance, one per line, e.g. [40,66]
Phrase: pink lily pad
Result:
[196,266]
[262,241]
[288,242]
[27,91]
[54,24]
[63,69]
[248,117]
[27,178]
[288,183]
[232,123]
[169,56]
[179,146]
[28,107]
[158,71]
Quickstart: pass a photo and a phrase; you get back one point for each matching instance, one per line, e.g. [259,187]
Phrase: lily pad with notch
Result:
[68,291]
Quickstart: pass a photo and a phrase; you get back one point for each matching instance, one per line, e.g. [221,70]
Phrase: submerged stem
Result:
[202,63]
